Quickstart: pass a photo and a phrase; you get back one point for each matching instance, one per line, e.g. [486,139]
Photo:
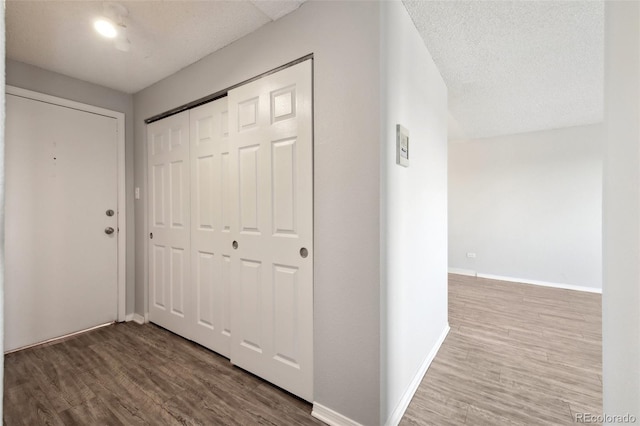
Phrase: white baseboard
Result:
[460,271]
[541,283]
[397,414]
[128,318]
[139,319]
[330,417]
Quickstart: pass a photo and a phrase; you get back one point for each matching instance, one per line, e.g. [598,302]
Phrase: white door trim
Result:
[122,235]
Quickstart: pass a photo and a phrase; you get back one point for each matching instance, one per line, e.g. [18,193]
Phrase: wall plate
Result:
[402,146]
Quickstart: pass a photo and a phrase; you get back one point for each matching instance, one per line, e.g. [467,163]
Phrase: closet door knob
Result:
[109,230]
[304,252]
[234,245]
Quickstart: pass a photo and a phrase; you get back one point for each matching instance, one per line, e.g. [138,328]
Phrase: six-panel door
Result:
[169,223]
[272,275]
[211,206]
[231,263]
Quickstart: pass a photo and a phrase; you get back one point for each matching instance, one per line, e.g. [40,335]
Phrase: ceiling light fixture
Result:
[112,25]
[105,28]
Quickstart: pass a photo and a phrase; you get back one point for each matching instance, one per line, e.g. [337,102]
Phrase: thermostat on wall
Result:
[402,146]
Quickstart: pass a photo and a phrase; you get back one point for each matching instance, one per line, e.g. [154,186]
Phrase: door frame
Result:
[121,172]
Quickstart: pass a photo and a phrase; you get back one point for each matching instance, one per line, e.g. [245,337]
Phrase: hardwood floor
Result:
[516,355]
[128,374]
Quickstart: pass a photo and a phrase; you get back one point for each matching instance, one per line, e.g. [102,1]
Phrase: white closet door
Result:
[211,226]
[169,217]
[61,179]
[271,164]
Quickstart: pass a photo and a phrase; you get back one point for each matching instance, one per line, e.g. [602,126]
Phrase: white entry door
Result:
[61,179]
[270,134]
[211,202]
[169,223]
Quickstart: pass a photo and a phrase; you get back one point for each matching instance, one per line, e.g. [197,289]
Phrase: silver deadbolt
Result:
[109,230]
[234,245]
[304,252]
[110,212]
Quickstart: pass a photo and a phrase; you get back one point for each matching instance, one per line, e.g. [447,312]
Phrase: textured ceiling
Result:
[516,66]
[165,36]
[510,66]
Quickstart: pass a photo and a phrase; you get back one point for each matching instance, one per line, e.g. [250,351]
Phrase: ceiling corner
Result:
[275,9]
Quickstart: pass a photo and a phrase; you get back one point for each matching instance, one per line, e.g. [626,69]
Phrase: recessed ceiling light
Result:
[105,28]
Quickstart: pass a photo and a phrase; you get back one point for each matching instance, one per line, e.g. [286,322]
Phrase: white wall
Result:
[344,38]
[40,80]
[529,206]
[621,221]
[2,116]
[413,210]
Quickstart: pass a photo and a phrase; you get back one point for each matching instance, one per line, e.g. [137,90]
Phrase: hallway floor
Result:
[130,374]
[516,355]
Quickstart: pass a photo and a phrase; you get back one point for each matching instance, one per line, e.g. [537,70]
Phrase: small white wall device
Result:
[402,146]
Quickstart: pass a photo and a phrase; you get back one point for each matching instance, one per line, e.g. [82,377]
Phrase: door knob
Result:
[234,245]
[304,252]
[109,230]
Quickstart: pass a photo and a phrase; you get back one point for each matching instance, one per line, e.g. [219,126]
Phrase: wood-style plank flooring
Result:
[516,355]
[128,374]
